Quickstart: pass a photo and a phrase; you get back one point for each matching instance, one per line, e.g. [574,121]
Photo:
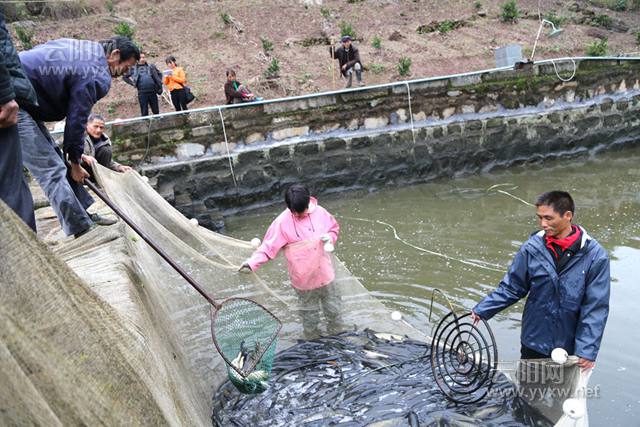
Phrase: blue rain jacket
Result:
[568,310]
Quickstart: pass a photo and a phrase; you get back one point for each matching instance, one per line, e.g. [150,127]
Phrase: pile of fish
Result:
[363,378]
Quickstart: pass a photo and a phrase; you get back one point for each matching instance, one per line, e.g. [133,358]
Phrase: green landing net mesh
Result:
[246,335]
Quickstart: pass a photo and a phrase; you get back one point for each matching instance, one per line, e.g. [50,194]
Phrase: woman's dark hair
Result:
[230,71]
[127,48]
[297,198]
[560,201]
[170,58]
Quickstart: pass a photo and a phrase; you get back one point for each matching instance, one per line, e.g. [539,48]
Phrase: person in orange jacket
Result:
[175,79]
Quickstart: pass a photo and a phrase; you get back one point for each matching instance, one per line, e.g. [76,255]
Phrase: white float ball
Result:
[396,315]
[573,408]
[328,247]
[194,221]
[145,178]
[255,242]
[559,355]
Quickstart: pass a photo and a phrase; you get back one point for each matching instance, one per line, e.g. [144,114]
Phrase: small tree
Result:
[598,48]
[125,30]
[376,42]
[509,11]
[267,45]
[273,69]
[404,66]
[347,30]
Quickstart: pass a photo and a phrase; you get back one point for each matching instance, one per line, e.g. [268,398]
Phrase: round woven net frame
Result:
[464,358]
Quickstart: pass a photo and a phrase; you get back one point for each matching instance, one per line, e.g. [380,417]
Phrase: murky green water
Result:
[458,237]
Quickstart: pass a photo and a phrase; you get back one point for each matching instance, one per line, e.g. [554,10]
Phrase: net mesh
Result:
[245,334]
[105,332]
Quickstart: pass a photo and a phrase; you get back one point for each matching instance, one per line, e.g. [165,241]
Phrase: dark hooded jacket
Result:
[349,57]
[14,83]
[568,309]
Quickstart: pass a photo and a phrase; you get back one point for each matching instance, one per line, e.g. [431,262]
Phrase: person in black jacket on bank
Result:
[349,60]
[147,79]
[15,91]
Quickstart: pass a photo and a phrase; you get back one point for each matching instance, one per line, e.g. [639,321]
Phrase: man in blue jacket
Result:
[565,274]
[15,91]
[69,77]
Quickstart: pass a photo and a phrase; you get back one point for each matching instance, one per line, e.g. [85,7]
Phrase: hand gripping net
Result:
[464,358]
[245,334]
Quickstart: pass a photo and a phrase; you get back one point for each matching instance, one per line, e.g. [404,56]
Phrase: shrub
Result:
[598,48]
[445,26]
[111,8]
[124,29]
[404,66]
[25,36]
[376,42]
[603,21]
[552,17]
[477,5]
[326,12]
[267,45]
[377,68]
[620,6]
[226,18]
[273,69]
[509,11]
[638,37]
[347,30]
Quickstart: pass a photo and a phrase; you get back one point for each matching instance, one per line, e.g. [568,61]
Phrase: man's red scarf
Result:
[564,243]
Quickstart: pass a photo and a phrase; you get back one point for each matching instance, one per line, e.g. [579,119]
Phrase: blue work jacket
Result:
[567,309]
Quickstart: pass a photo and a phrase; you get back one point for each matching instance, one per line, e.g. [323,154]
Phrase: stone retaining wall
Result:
[363,138]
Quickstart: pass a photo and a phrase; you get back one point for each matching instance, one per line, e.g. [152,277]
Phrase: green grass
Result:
[404,66]
[25,36]
[445,26]
[226,18]
[603,21]
[556,19]
[377,68]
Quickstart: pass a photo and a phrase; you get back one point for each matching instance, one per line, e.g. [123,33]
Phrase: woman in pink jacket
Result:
[307,233]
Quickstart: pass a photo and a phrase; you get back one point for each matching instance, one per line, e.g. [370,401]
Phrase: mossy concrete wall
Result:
[365,137]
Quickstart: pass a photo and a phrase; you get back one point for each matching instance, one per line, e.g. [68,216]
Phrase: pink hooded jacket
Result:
[309,266]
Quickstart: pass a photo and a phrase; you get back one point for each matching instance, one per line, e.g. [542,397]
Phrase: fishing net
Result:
[245,335]
[234,322]
[105,332]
